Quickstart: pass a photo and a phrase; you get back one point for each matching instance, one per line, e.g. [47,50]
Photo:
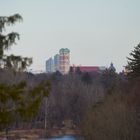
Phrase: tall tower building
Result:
[49,65]
[56,62]
[61,62]
[64,56]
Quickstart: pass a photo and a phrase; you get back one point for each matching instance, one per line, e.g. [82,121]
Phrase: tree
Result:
[71,71]
[134,62]
[16,63]
[78,71]
[20,98]
[9,95]
[86,77]
[110,119]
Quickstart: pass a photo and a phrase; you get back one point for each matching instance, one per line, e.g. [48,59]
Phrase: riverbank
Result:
[23,134]
[38,133]
[61,132]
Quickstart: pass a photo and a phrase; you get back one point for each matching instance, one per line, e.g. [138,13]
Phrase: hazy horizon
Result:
[97,32]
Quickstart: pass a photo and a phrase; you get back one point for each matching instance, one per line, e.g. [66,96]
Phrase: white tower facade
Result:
[64,60]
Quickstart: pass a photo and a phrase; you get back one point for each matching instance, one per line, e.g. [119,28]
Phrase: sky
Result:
[97,32]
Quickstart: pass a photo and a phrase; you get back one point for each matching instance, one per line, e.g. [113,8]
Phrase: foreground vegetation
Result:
[103,105]
[20,96]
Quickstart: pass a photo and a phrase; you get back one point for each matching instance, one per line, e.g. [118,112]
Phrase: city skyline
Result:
[60,62]
[97,32]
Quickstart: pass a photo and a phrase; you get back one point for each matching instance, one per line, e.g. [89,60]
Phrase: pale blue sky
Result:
[97,32]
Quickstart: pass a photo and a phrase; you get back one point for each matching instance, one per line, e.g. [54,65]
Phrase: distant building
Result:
[56,62]
[112,68]
[61,62]
[64,60]
[49,65]
[89,69]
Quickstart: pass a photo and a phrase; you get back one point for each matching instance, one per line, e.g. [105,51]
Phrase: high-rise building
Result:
[61,62]
[49,65]
[56,62]
[64,60]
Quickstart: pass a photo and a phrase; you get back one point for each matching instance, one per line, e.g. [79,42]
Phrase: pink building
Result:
[64,65]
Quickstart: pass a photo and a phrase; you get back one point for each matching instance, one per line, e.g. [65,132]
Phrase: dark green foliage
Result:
[10,98]
[16,63]
[7,40]
[110,80]
[86,78]
[17,99]
[4,21]
[20,100]
[134,62]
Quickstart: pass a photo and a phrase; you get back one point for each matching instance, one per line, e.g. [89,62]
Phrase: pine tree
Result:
[134,62]
[17,99]
[16,63]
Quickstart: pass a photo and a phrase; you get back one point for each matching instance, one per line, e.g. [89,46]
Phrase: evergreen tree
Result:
[134,62]
[16,63]
[86,78]
[17,99]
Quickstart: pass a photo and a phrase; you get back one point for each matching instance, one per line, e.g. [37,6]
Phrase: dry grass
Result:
[29,134]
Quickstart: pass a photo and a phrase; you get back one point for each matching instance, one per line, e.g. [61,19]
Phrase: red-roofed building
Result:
[84,69]
[89,68]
